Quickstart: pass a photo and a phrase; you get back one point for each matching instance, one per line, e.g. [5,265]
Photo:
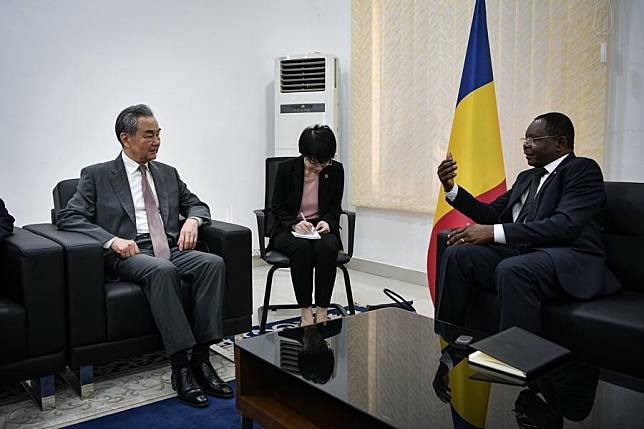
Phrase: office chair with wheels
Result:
[278,260]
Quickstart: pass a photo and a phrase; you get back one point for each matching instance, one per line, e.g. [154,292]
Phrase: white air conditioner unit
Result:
[306,93]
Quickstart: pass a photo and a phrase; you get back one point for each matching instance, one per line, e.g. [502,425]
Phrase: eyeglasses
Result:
[530,140]
[317,163]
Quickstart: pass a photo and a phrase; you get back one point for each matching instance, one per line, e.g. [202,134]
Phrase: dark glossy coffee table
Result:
[386,368]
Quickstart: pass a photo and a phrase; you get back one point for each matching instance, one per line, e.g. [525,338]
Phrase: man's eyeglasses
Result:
[531,140]
[317,163]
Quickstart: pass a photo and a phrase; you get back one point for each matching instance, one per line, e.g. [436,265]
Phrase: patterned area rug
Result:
[118,386]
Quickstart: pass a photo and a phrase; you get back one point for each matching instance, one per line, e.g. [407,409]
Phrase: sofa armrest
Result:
[233,243]
[84,283]
[32,275]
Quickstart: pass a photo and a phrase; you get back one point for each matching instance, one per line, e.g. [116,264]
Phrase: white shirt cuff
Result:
[109,242]
[451,195]
[499,233]
[198,219]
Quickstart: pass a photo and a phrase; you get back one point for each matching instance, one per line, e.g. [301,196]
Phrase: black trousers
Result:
[160,280]
[307,255]
[521,281]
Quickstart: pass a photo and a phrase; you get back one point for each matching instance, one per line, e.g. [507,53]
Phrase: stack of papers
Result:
[313,235]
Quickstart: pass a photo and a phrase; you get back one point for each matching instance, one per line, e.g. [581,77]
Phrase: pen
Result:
[304,219]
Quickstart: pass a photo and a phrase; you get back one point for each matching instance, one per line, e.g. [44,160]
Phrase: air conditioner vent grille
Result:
[302,75]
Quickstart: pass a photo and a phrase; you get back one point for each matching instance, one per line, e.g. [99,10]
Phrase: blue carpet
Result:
[170,413]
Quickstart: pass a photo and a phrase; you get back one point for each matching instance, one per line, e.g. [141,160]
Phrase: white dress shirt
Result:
[499,232]
[134,178]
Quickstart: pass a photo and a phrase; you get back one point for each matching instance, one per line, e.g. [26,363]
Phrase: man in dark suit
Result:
[540,241]
[6,222]
[132,205]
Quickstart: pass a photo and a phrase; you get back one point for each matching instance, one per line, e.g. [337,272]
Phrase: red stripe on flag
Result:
[453,219]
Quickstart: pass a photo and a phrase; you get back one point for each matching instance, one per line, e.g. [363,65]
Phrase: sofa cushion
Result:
[608,332]
[13,331]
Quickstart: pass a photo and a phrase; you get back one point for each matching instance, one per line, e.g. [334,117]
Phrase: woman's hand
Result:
[322,227]
[303,227]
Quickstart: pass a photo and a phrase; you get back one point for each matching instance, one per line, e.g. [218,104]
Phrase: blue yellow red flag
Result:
[475,143]
[475,140]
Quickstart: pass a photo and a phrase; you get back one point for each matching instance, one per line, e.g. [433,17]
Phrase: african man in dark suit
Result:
[539,241]
[132,206]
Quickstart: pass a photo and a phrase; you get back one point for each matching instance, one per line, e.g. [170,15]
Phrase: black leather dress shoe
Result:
[187,391]
[210,381]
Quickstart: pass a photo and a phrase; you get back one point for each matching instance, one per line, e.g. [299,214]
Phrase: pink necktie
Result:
[157,232]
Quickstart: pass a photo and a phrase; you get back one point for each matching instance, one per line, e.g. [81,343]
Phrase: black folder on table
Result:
[517,352]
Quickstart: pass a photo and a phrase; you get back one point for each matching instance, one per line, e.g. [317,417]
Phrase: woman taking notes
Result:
[307,198]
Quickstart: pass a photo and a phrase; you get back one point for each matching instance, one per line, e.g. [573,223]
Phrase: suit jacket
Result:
[568,223]
[287,195]
[6,222]
[102,206]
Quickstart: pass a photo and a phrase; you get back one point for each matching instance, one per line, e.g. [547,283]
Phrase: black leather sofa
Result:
[608,332]
[32,313]
[109,320]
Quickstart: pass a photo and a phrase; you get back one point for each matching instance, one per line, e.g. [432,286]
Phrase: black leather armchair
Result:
[110,320]
[32,313]
[609,331]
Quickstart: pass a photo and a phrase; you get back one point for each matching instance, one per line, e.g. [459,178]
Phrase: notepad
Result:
[313,235]
[482,359]
[517,352]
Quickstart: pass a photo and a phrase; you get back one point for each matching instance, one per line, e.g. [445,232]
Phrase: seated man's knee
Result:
[211,261]
[507,271]
[458,252]
[165,267]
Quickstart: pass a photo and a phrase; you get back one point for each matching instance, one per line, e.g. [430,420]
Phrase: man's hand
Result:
[303,227]
[471,234]
[322,227]
[188,234]
[447,172]
[125,248]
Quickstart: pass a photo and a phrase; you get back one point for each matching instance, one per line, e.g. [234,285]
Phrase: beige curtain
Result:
[406,63]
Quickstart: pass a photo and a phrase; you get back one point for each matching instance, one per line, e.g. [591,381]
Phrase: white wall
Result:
[625,154]
[204,67]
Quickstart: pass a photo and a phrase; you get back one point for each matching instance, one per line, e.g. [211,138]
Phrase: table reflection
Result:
[307,352]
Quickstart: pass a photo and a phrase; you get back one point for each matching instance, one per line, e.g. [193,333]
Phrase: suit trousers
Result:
[521,281]
[161,279]
[307,255]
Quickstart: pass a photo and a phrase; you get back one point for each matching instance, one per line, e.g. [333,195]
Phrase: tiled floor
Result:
[367,289]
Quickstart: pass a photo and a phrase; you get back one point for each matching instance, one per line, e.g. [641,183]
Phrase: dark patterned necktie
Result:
[532,194]
[157,232]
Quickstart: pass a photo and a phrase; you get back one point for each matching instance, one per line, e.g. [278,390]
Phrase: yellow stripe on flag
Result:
[475,144]
[469,397]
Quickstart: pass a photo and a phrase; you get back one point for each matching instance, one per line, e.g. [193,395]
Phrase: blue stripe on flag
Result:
[477,70]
